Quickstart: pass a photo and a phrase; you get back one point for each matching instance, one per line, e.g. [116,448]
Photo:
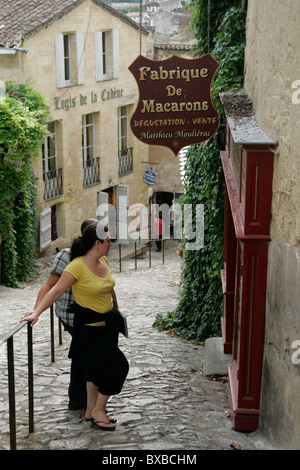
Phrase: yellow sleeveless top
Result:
[90,290]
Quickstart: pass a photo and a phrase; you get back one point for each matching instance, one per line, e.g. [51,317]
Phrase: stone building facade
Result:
[272,82]
[77,53]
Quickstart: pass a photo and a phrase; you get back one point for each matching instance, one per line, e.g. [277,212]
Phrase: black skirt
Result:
[107,366]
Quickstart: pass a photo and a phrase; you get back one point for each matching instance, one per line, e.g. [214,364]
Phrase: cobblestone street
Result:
[167,402]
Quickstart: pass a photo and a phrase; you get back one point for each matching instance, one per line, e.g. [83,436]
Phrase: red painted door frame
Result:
[248,173]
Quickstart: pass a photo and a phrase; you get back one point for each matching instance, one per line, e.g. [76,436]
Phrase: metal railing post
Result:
[59,332]
[30,377]
[11,393]
[52,334]
[149,253]
[120,262]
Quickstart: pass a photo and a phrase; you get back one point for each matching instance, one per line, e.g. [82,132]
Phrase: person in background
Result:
[77,386]
[89,275]
[158,231]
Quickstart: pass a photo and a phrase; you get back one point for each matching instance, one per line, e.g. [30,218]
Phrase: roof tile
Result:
[22,18]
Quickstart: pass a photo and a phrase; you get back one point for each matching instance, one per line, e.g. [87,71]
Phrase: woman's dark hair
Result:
[87,222]
[81,245]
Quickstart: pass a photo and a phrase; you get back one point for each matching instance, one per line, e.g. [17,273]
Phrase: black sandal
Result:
[111,420]
[103,428]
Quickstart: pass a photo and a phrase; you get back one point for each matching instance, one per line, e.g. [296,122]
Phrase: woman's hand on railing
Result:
[65,281]
[31,317]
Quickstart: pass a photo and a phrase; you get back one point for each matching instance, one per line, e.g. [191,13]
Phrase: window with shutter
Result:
[90,162]
[124,150]
[45,228]
[52,175]
[80,58]
[59,57]
[69,55]
[115,41]
[107,54]
[88,140]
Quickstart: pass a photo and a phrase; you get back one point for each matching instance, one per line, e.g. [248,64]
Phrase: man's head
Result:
[86,223]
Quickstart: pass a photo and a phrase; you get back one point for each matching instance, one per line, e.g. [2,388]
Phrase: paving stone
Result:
[168,402]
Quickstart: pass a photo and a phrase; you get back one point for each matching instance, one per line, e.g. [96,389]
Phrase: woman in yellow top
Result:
[93,288]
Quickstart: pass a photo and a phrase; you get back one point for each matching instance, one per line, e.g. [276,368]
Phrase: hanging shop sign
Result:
[150,176]
[175,108]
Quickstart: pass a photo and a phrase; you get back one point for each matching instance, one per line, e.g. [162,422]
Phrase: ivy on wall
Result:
[199,309]
[23,114]
[201,23]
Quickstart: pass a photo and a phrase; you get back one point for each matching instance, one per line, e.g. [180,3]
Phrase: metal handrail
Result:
[149,242]
[9,339]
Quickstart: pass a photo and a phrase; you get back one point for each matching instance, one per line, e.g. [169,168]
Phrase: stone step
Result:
[216,362]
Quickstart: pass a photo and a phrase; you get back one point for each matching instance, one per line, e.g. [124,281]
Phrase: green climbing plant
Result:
[23,115]
[204,22]
[199,308]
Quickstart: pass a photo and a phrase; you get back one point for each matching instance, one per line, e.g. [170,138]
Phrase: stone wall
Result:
[271,67]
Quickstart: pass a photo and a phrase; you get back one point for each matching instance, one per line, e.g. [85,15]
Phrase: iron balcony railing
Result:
[125,161]
[91,172]
[53,184]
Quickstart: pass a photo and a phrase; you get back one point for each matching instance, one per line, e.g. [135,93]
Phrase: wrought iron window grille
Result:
[53,184]
[125,161]
[91,172]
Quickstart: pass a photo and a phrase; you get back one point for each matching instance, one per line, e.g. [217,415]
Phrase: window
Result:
[123,129]
[49,154]
[125,153]
[107,54]
[51,225]
[88,137]
[69,55]
[104,54]
[91,163]
[52,175]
